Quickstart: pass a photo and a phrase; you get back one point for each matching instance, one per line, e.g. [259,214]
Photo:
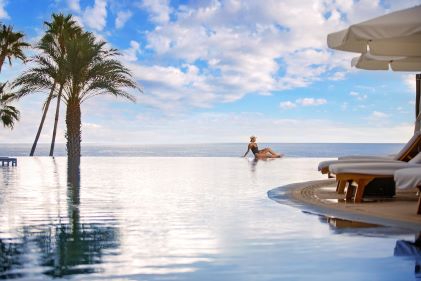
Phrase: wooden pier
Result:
[5,161]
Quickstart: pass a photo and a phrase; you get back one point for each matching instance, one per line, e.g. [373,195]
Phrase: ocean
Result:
[310,150]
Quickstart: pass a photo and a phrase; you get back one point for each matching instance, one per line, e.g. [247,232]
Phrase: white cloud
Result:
[79,20]
[409,80]
[96,17]
[88,126]
[287,105]
[74,5]
[337,76]
[243,47]
[122,18]
[131,53]
[115,127]
[3,12]
[378,117]
[311,101]
[159,10]
[358,96]
[247,47]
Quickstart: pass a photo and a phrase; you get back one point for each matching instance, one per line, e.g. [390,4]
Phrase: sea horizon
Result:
[310,150]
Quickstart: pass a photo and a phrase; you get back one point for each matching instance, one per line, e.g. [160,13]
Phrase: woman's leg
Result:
[268,153]
[269,150]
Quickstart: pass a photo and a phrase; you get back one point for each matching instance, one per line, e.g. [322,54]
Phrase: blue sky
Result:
[219,71]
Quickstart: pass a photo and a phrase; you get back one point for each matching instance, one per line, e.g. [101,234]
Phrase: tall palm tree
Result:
[48,73]
[92,70]
[37,79]
[11,45]
[60,29]
[8,114]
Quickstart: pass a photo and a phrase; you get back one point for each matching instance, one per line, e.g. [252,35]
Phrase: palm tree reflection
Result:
[11,254]
[67,247]
[75,247]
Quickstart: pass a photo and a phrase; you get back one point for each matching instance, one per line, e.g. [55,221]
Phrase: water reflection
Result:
[67,247]
[337,223]
[11,257]
[175,219]
[403,248]
[410,249]
[253,164]
[74,248]
[73,174]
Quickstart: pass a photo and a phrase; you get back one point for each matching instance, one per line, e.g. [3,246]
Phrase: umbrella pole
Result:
[418,90]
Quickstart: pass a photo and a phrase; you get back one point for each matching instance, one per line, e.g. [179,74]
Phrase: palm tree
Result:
[92,70]
[8,114]
[48,73]
[60,29]
[37,79]
[11,45]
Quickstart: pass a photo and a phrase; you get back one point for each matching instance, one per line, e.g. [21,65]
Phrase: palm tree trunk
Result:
[53,140]
[41,124]
[73,133]
[2,58]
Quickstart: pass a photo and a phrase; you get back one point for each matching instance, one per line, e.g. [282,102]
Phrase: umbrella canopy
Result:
[394,34]
[392,41]
[371,62]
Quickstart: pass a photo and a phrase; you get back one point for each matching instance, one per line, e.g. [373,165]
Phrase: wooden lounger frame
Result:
[361,179]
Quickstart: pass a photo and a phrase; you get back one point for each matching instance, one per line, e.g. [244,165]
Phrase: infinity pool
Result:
[182,219]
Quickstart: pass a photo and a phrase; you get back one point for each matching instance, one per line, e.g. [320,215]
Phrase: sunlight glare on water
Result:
[179,218]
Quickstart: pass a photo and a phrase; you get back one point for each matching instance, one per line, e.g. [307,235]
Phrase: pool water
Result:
[182,218]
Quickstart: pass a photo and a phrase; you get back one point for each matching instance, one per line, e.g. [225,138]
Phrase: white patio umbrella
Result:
[391,41]
[371,62]
[394,34]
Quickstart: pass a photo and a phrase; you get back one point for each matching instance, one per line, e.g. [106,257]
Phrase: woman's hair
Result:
[252,137]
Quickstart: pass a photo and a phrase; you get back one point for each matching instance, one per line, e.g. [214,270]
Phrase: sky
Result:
[219,71]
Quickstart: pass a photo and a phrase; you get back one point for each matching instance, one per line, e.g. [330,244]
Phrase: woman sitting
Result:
[263,153]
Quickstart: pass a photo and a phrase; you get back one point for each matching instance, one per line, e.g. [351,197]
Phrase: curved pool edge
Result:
[305,196]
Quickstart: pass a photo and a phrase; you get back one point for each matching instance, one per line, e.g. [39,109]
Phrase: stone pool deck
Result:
[321,197]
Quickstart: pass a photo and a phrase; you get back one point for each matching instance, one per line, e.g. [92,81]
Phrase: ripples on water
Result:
[180,219]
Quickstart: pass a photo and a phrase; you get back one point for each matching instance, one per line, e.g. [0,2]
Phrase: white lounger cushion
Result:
[368,157]
[374,168]
[408,178]
[327,163]
[379,169]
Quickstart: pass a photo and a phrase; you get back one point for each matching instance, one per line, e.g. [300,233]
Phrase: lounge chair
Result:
[409,178]
[363,173]
[411,148]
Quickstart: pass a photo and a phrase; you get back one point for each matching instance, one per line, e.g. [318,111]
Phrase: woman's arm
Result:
[248,149]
